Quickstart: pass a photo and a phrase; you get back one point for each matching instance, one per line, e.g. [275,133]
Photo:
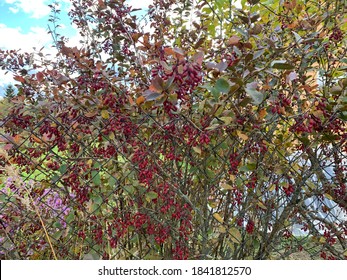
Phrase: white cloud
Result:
[13,38]
[35,8]
[14,10]
[139,4]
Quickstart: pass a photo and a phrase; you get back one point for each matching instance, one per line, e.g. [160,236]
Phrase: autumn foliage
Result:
[196,130]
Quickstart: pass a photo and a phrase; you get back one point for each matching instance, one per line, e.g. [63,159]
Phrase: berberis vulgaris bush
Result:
[188,130]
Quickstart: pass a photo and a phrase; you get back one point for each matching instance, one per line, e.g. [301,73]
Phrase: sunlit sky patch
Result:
[24,25]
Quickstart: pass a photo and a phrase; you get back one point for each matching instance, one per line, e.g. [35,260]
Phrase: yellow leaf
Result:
[222,229]
[105,114]
[111,136]
[328,196]
[197,150]
[262,114]
[91,114]
[140,100]
[235,235]
[241,135]
[226,186]
[232,178]
[272,187]
[75,125]
[261,205]
[218,217]
[226,120]
[36,139]
[317,113]
[212,204]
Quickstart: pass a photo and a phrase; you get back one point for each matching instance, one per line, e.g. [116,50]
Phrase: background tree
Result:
[9,92]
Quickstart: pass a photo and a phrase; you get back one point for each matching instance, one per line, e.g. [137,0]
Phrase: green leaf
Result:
[226,120]
[97,200]
[243,32]
[239,182]
[63,169]
[256,96]
[3,198]
[258,54]
[129,189]
[281,65]
[57,234]
[343,115]
[55,179]
[96,178]
[57,225]
[222,85]
[151,195]
[298,38]
[70,217]
[330,137]
[112,181]
[96,165]
[248,167]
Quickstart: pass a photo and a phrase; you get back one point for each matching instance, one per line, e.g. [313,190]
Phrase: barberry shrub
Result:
[190,130]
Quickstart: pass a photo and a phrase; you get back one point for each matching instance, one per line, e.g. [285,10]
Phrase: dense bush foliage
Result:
[194,131]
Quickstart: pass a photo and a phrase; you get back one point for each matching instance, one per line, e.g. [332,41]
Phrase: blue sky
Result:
[23,25]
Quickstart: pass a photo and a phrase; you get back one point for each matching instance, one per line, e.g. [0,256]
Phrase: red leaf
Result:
[169,51]
[178,51]
[157,84]
[19,79]
[39,76]
[151,95]
[233,40]
[221,66]
[198,57]
[8,147]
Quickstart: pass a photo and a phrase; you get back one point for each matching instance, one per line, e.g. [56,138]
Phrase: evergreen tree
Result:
[10,92]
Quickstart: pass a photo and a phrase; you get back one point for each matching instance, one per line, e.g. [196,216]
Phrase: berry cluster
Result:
[234,160]
[187,76]
[336,35]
